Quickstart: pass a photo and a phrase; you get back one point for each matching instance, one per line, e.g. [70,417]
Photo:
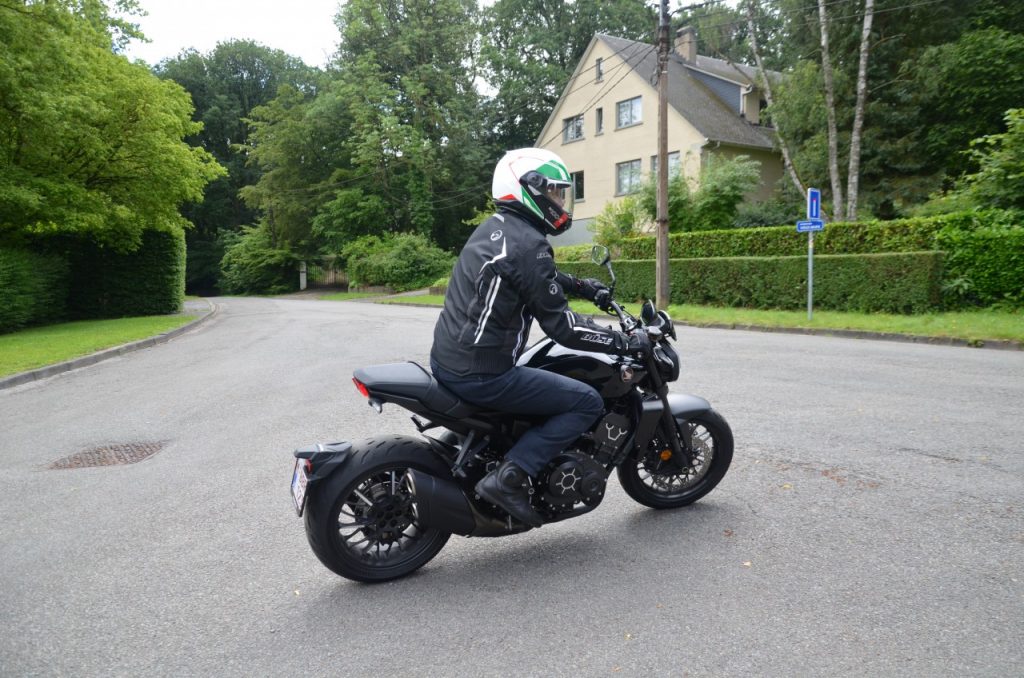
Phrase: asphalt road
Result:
[872,522]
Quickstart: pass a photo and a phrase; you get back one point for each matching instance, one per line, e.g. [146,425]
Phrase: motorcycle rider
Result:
[504,278]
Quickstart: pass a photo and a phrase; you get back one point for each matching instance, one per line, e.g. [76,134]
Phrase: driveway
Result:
[872,522]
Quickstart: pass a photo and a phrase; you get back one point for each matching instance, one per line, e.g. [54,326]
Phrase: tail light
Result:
[361,387]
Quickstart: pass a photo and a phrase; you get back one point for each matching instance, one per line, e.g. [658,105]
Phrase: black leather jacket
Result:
[504,278]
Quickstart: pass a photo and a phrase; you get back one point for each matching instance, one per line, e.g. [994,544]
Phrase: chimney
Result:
[686,44]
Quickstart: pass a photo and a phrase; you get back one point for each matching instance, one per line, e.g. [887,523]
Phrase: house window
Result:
[599,67]
[628,112]
[673,164]
[627,177]
[600,121]
[577,186]
[572,129]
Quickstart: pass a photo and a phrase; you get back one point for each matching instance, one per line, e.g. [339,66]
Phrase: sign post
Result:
[812,224]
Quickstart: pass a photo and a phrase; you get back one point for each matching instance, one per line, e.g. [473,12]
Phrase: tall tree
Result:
[90,144]
[531,47]
[226,85]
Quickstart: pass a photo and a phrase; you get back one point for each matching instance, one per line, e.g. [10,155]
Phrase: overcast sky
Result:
[302,28]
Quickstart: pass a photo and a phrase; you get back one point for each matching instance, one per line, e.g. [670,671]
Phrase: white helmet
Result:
[534,181]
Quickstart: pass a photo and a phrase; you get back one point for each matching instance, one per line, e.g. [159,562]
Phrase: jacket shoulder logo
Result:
[496,235]
[553,289]
[544,255]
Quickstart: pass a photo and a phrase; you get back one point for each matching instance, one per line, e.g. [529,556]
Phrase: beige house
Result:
[605,125]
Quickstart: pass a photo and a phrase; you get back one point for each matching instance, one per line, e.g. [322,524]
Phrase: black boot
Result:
[506,487]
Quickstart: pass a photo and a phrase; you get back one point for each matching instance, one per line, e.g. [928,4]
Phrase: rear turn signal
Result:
[361,387]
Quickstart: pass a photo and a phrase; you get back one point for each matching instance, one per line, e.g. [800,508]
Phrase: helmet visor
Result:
[562,194]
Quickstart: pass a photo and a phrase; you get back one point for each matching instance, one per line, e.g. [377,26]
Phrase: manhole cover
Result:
[109,455]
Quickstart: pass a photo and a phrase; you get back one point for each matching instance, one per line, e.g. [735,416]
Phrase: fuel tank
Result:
[599,370]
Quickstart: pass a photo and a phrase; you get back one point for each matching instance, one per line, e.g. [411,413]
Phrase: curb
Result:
[996,344]
[105,354]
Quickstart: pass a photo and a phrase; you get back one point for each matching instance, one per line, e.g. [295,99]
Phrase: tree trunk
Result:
[853,173]
[830,107]
[786,159]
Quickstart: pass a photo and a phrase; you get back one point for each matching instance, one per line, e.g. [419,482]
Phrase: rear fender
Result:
[324,459]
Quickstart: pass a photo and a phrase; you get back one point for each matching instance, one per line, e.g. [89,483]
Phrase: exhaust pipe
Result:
[443,505]
[440,503]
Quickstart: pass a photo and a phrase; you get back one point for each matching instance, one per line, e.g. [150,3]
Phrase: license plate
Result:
[299,482]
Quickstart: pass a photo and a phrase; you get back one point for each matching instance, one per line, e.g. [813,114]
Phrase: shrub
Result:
[984,266]
[894,283]
[253,265]
[33,288]
[710,202]
[402,261]
[619,220]
[573,253]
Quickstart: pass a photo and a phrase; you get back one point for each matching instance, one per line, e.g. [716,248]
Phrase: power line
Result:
[643,54]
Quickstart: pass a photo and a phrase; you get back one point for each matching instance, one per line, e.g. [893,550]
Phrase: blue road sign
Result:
[814,204]
[810,225]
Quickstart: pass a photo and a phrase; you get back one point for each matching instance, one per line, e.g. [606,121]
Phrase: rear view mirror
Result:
[648,313]
[600,255]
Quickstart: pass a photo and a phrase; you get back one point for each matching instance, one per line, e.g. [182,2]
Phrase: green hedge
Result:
[33,288]
[908,282]
[148,281]
[984,267]
[900,235]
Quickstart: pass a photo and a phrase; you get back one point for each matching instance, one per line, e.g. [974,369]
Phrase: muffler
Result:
[443,505]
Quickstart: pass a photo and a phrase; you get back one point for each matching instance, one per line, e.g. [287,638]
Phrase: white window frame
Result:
[573,124]
[635,112]
[675,164]
[633,179]
[578,176]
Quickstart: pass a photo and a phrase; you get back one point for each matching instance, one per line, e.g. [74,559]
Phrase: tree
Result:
[710,202]
[999,181]
[925,93]
[90,144]
[531,47]
[226,85]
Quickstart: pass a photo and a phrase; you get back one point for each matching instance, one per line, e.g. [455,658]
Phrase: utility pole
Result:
[661,252]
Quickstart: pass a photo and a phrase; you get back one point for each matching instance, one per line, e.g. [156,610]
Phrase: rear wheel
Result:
[362,523]
[660,481]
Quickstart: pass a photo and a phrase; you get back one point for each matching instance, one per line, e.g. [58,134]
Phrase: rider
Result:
[504,278]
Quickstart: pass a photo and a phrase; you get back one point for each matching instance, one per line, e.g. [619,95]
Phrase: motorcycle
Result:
[379,509]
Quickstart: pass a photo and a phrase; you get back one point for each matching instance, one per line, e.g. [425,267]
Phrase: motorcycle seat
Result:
[410,380]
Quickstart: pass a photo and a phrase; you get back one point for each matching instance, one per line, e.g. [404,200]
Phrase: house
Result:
[605,125]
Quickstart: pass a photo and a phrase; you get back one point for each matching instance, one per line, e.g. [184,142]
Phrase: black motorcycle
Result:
[380,508]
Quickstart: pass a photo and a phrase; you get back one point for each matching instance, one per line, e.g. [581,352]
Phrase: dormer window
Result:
[599,69]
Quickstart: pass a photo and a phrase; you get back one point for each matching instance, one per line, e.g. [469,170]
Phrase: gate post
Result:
[302,275]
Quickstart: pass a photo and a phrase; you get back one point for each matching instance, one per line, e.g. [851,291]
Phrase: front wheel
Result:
[362,523]
[659,481]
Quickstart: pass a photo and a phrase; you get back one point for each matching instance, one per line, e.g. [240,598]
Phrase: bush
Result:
[402,261]
[894,283]
[984,266]
[33,288]
[573,253]
[111,284]
[619,220]
[253,265]
[710,202]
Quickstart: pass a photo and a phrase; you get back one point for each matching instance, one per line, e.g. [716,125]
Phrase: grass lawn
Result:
[40,346]
[419,300]
[973,326]
[346,296]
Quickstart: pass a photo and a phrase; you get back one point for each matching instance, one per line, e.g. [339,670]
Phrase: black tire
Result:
[366,507]
[669,486]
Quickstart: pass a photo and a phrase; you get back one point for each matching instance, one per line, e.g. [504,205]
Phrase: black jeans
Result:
[571,407]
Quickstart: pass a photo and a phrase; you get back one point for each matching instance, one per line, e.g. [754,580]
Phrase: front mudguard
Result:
[682,406]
